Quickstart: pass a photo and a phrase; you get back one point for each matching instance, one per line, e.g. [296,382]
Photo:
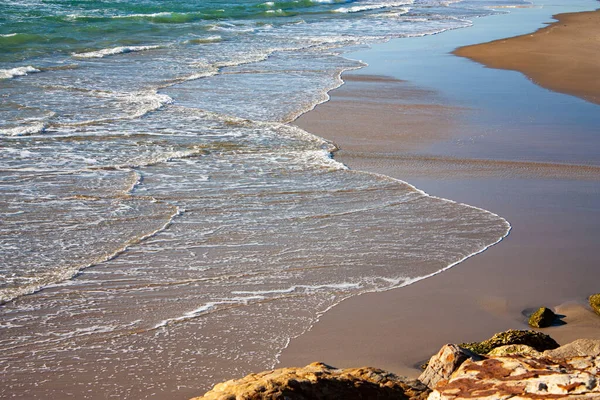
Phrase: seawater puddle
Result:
[173,229]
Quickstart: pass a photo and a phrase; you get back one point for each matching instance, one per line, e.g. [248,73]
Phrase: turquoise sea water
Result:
[163,226]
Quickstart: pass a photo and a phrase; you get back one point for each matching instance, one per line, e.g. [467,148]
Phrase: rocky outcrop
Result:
[513,371]
[595,302]
[319,381]
[542,318]
[522,378]
[444,363]
[537,340]
[519,371]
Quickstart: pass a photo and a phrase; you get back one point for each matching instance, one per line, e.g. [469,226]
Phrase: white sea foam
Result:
[438,31]
[415,19]
[86,331]
[279,11]
[395,14]
[226,27]
[246,59]
[210,306]
[332,39]
[38,127]
[303,288]
[370,7]
[145,102]
[320,158]
[53,277]
[151,15]
[206,39]
[19,71]
[499,7]
[192,314]
[113,51]
[148,101]
[210,70]
[74,17]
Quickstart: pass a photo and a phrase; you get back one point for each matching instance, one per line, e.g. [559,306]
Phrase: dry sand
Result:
[550,258]
[564,56]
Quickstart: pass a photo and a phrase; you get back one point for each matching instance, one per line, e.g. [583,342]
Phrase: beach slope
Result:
[538,169]
[564,57]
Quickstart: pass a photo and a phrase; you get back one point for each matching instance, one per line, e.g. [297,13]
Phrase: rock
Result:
[514,350]
[513,371]
[319,381]
[578,348]
[595,302]
[537,340]
[542,318]
[522,378]
[444,363]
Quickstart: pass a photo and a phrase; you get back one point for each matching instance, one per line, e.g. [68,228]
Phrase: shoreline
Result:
[345,335]
[532,53]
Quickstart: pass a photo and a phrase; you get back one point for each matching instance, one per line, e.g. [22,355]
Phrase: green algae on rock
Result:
[542,318]
[595,302]
[537,340]
[513,350]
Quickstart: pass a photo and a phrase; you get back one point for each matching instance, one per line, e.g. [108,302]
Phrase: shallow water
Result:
[181,231]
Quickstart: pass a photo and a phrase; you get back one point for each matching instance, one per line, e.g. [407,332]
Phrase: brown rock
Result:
[522,378]
[444,363]
[319,381]
[578,348]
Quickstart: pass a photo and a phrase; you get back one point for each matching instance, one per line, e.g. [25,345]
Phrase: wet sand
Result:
[571,47]
[525,170]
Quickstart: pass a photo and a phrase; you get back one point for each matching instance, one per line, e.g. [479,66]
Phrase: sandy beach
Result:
[522,168]
[542,56]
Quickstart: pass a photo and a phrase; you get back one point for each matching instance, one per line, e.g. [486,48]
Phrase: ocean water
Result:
[163,225]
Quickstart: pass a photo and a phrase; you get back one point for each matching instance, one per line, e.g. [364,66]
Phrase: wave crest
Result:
[113,51]
[19,71]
